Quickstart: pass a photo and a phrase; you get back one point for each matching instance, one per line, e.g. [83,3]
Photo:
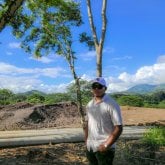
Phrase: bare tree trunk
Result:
[98,44]
[70,60]
[13,6]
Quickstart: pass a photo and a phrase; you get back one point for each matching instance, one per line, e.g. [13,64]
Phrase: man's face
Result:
[98,90]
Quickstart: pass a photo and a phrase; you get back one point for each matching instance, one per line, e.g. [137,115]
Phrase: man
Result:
[104,125]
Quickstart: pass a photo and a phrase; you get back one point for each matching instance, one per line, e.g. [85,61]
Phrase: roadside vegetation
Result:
[150,100]
[155,137]
[147,150]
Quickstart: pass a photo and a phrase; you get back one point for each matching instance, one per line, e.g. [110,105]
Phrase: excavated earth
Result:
[65,114]
[28,116]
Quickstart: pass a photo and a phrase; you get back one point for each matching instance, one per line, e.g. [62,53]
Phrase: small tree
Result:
[47,25]
[85,91]
[36,98]
[131,100]
[5,96]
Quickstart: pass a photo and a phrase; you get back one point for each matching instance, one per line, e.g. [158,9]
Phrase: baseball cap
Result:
[99,80]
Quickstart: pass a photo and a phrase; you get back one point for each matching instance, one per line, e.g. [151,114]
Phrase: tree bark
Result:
[13,6]
[98,44]
[77,83]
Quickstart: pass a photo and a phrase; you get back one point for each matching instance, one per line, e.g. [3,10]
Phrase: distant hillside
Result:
[146,88]
[33,92]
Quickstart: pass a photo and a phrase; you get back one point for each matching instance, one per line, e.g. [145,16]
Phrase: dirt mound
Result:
[55,115]
[28,116]
[65,114]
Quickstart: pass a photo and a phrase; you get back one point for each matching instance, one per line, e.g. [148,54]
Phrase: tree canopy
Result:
[8,10]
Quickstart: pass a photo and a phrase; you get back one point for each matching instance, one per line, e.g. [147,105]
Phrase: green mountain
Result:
[146,88]
[33,92]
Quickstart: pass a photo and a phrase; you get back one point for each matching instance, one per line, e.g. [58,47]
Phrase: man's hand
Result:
[102,147]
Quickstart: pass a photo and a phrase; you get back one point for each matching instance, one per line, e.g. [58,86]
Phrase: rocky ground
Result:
[28,116]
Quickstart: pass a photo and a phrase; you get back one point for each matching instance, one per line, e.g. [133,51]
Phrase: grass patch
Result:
[155,136]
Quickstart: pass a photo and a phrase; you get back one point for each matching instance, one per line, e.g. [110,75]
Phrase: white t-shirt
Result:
[102,117]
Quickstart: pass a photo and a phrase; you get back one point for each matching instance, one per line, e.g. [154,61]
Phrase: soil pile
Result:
[65,114]
[28,116]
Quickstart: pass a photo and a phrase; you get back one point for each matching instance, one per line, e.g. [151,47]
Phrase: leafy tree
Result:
[5,96]
[154,99]
[36,98]
[19,98]
[116,95]
[159,96]
[131,100]
[45,26]
[85,88]
[57,97]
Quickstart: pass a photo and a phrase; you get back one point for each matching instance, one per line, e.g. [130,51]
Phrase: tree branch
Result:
[5,18]
[104,22]
[93,28]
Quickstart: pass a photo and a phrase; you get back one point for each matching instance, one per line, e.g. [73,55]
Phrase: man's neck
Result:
[98,99]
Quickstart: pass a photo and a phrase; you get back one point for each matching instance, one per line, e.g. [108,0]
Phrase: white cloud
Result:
[44,59]
[7,69]
[86,77]
[18,84]
[161,59]
[9,53]
[108,50]
[154,74]
[24,79]
[47,59]
[122,58]
[23,84]
[87,56]
[14,45]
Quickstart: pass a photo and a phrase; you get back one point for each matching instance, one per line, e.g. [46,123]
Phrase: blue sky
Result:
[134,51]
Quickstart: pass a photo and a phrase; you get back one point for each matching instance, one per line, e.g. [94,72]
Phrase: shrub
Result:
[131,100]
[155,136]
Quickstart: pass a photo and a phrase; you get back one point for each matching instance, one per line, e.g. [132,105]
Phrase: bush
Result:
[155,136]
[35,98]
[161,104]
[130,100]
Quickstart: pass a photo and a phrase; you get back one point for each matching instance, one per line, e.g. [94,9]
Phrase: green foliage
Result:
[155,136]
[45,26]
[131,100]
[155,100]
[35,98]
[19,98]
[57,97]
[159,96]
[5,96]
[84,38]
[85,88]
[161,104]
[116,95]
[8,97]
